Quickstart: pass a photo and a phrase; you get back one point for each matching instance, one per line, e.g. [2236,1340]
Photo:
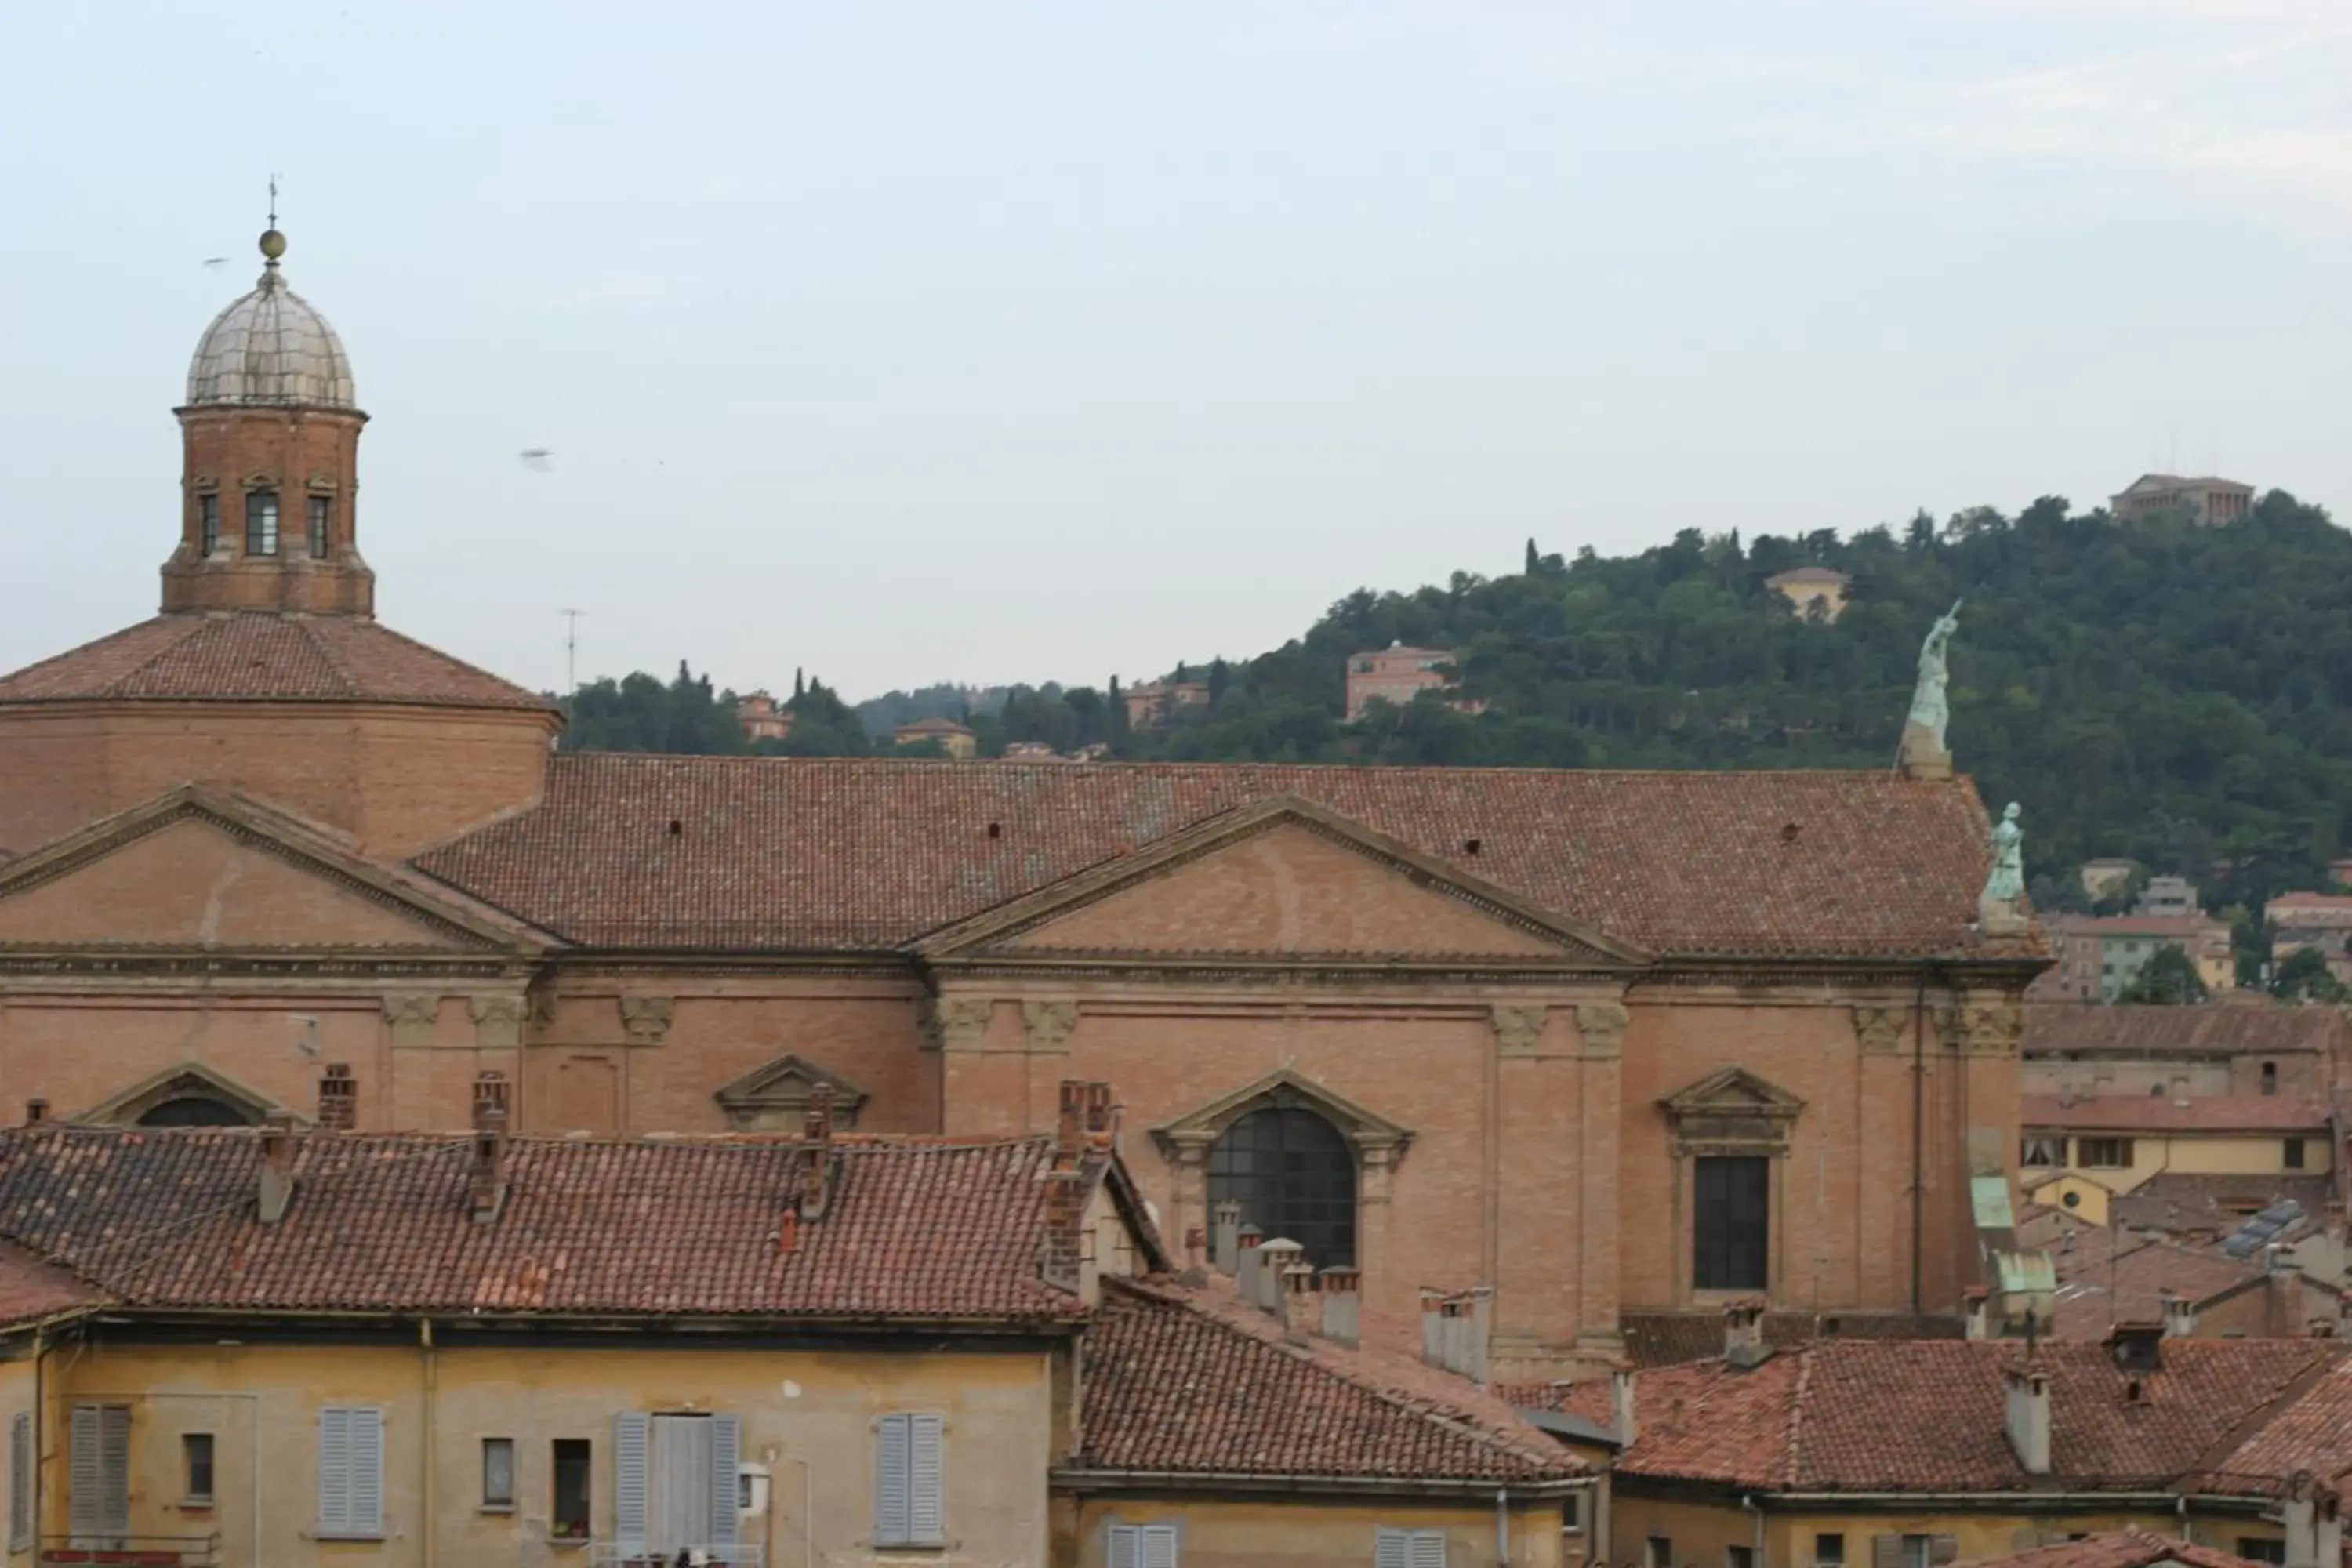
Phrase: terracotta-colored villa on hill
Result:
[1617,1046]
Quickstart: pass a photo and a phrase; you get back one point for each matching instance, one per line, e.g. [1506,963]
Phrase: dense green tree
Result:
[823,726]
[2303,976]
[638,713]
[2168,979]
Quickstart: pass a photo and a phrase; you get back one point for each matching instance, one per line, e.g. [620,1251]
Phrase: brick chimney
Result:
[339,1105]
[2028,1418]
[36,1112]
[1102,1117]
[1226,1235]
[1432,1325]
[1065,1217]
[1300,1306]
[1743,1335]
[1070,1129]
[1343,1303]
[276,1167]
[1245,1260]
[820,1163]
[489,1169]
[1469,1319]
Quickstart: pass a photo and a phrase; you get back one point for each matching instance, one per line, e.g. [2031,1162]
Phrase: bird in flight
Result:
[536,457]
[216,261]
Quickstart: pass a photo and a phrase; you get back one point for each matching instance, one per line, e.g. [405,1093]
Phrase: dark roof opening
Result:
[1469,846]
[995,830]
[676,828]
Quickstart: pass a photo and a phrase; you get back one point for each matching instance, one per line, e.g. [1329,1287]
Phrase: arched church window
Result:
[1294,1175]
[194,1110]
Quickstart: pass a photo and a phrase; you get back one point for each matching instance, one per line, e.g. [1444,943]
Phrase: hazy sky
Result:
[1013,341]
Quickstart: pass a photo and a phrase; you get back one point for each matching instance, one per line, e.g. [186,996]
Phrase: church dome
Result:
[270,350]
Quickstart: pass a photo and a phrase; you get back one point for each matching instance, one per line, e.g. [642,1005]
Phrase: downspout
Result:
[1918,1132]
[1502,1527]
[1748,1500]
[432,1384]
[40,1430]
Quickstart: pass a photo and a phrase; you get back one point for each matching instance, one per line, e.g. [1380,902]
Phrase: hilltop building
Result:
[1816,592]
[2208,501]
[956,739]
[1610,1045]
[764,718]
[1155,705]
[1395,674]
[2319,921]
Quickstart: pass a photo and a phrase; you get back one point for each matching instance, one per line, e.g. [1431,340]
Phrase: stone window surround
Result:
[1730,1111]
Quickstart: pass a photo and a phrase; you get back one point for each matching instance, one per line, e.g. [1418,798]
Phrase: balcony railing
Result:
[620,1554]
[133,1551]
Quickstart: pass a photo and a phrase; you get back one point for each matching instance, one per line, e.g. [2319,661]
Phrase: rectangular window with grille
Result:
[207,524]
[909,1508]
[351,1472]
[1730,1222]
[1408,1548]
[1141,1546]
[569,1521]
[196,1469]
[2102,1153]
[322,514]
[261,522]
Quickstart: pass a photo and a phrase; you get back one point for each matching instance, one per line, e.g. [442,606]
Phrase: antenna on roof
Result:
[571,649]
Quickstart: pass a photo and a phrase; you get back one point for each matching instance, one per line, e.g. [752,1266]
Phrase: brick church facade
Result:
[1610,1044]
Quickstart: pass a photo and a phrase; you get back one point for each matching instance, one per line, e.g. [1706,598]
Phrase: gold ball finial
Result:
[273,244]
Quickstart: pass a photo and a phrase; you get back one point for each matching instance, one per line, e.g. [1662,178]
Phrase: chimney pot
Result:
[1226,1235]
[2179,1317]
[1433,1326]
[1274,1258]
[489,1181]
[1300,1306]
[337,1099]
[1743,1335]
[1196,1252]
[276,1167]
[2028,1418]
[1246,1261]
[1620,1404]
[1069,1128]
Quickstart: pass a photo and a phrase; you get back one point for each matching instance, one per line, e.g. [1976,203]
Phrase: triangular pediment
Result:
[1282,880]
[776,1097]
[1732,1091]
[224,1099]
[1283,1091]
[193,870]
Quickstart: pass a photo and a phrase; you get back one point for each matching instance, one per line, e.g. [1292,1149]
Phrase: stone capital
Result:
[1048,1024]
[1518,1029]
[961,1023]
[1602,1027]
[1878,1031]
[413,1018]
[1992,1029]
[645,1020]
[497,1021]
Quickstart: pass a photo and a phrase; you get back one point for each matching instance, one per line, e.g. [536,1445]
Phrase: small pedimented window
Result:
[1732,1112]
[190,1094]
[775,1098]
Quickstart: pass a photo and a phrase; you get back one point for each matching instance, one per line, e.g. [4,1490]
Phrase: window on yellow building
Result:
[1739,1557]
[97,1477]
[1829,1550]
[2291,1153]
[1408,1548]
[1141,1546]
[2045,1152]
[2254,1549]
[2104,1154]
[569,1519]
[197,1468]
[1658,1552]
[351,1472]
[498,1472]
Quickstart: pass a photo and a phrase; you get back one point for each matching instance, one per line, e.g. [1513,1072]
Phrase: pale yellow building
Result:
[954,739]
[2123,1141]
[1815,592]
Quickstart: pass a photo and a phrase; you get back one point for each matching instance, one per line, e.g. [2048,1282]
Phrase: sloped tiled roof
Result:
[2311,1432]
[2119,1549]
[918,1228]
[261,657]
[2162,1114]
[2107,1276]
[33,1291]
[784,853]
[1193,1381]
[1666,1338]
[1930,1415]
[2232,1028]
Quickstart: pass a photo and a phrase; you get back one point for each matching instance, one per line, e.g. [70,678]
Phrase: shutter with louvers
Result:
[114,1469]
[891,1525]
[926,1477]
[364,1489]
[20,1483]
[1427,1548]
[334,1471]
[726,1506]
[82,1473]
[1392,1549]
[1885,1552]
[632,1434]
[1158,1546]
[1126,1546]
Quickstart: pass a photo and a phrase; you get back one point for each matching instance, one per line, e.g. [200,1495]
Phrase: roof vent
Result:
[677,829]
[2136,1347]
[997,830]
[1469,846]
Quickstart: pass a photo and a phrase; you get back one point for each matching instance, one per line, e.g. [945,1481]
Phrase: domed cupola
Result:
[270,350]
[270,478]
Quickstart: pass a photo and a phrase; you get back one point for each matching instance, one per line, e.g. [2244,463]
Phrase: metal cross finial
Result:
[273,201]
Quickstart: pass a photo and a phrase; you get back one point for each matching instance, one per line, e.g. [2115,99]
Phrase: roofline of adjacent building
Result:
[1768,1498]
[338,705]
[1058,1324]
[1091,1478]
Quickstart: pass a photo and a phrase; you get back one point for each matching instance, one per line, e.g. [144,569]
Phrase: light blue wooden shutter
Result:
[726,1506]
[334,1471]
[1427,1549]
[927,1479]
[83,1476]
[1126,1546]
[114,1469]
[632,1432]
[891,1442]
[365,1489]
[20,1482]
[1158,1546]
[1392,1549]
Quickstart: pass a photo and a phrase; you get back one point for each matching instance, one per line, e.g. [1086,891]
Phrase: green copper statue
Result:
[2001,908]
[1929,710]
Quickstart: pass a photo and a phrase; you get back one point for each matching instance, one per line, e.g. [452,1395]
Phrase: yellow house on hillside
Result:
[2123,1141]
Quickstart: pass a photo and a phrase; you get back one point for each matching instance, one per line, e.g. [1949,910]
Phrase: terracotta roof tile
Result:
[2312,1431]
[2232,1028]
[1191,1380]
[1667,1339]
[917,1228]
[2162,1114]
[2109,1277]
[259,658]
[2119,1549]
[783,853]
[1930,1415]
[33,1291]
